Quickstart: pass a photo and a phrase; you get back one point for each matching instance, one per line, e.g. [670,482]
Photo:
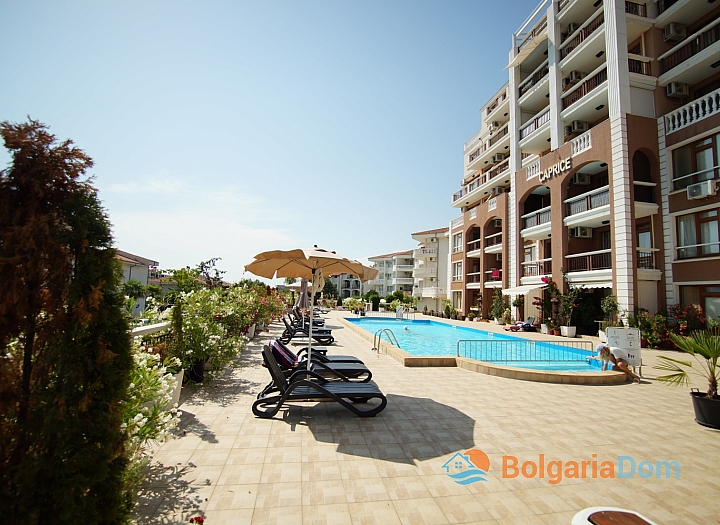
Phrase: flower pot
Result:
[568,331]
[643,343]
[544,329]
[707,410]
[498,321]
[603,336]
[251,331]
[556,332]
[176,392]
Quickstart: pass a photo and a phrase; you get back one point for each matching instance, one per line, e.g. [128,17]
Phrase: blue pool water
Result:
[430,338]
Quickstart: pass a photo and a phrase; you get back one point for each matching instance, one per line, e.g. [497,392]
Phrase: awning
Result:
[531,46]
[522,290]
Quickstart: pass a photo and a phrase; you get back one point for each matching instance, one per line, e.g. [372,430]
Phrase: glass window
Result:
[687,236]
[698,234]
[457,242]
[682,164]
[457,271]
[696,162]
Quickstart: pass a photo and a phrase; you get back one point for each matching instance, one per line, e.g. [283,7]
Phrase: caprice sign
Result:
[557,169]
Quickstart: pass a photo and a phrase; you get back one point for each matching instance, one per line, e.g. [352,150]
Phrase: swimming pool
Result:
[430,338]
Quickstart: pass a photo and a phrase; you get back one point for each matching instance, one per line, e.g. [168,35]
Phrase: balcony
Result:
[433,292]
[501,100]
[493,243]
[639,66]
[530,36]
[584,88]
[535,133]
[645,199]
[425,253]
[456,223]
[494,144]
[692,59]
[403,280]
[535,78]
[587,100]
[591,269]
[425,272]
[632,8]
[493,278]
[479,187]
[474,248]
[589,209]
[536,224]
[693,112]
[581,35]
[404,268]
[646,258]
[473,280]
[538,268]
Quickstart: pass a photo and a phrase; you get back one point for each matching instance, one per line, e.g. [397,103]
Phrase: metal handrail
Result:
[524,350]
[378,337]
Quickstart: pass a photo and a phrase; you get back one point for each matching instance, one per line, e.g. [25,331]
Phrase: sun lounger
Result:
[320,354]
[301,320]
[343,371]
[610,516]
[526,325]
[321,335]
[302,389]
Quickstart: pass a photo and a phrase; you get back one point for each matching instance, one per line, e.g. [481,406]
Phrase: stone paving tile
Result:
[318,463]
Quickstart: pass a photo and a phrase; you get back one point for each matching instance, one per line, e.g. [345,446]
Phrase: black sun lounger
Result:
[304,390]
[320,354]
[321,335]
[289,363]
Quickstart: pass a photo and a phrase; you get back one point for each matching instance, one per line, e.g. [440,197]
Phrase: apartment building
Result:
[599,157]
[136,268]
[430,269]
[347,285]
[395,272]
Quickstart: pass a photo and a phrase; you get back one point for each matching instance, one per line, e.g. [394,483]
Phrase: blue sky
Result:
[223,129]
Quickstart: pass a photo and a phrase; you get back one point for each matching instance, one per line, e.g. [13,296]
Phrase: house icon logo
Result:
[467,468]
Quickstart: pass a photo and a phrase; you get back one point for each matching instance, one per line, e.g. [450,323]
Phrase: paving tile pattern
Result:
[318,463]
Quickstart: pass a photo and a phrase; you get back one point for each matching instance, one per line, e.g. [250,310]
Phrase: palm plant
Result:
[704,346]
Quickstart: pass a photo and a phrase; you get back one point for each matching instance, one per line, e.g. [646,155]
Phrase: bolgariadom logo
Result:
[467,468]
[473,465]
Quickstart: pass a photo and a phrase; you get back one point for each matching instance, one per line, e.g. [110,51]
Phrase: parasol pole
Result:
[312,300]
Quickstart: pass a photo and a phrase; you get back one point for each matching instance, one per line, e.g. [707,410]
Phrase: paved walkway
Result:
[321,464]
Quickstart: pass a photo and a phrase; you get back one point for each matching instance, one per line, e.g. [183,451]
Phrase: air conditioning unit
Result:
[498,157]
[495,192]
[572,27]
[463,209]
[576,76]
[581,232]
[498,256]
[677,90]
[702,189]
[494,125]
[581,179]
[433,239]
[674,33]
[579,126]
[565,83]
[568,131]
[497,223]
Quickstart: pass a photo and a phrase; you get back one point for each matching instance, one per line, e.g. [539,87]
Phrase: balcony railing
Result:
[534,79]
[493,275]
[644,192]
[473,277]
[586,87]
[537,30]
[489,143]
[646,258]
[424,252]
[457,222]
[537,268]
[493,240]
[482,179]
[693,112]
[492,203]
[588,201]
[692,46]
[562,4]
[425,272]
[536,218]
[584,33]
[639,66]
[492,107]
[581,143]
[532,126]
[584,262]
[632,8]
[474,245]
[698,250]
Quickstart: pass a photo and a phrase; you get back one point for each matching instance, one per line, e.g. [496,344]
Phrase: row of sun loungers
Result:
[341,378]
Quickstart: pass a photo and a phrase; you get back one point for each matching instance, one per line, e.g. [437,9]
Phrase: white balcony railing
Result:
[492,204]
[536,218]
[693,112]
[425,272]
[536,268]
[420,253]
[588,201]
[456,223]
[581,143]
[433,292]
[533,170]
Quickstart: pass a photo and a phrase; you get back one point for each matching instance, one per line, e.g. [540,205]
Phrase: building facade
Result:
[347,285]
[430,268]
[599,158]
[395,272]
[136,268]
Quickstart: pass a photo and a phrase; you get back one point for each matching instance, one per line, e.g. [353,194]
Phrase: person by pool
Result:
[619,359]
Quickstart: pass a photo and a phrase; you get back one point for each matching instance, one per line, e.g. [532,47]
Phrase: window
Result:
[605,240]
[457,243]
[697,234]
[696,162]
[530,253]
[457,271]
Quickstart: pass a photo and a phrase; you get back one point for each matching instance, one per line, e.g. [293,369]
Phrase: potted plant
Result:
[471,316]
[568,302]
[552,327]
[519,303]
[425,310]
[507,316]
[704,346]
[498,305]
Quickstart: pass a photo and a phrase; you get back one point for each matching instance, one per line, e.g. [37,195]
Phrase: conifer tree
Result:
[65,361]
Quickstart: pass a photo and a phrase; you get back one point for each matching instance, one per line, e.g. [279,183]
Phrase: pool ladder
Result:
[378,337]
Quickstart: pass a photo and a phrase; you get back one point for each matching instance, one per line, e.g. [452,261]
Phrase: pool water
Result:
[430,338]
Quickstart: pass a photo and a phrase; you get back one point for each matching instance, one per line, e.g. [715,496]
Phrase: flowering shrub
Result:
[146,415]
[686,318]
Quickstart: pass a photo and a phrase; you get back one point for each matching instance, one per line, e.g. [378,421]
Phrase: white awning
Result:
[523,290]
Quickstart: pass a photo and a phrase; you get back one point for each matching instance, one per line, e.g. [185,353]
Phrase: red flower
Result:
[197,519]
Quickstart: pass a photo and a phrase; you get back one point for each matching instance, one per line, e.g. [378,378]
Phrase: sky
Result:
[225,129]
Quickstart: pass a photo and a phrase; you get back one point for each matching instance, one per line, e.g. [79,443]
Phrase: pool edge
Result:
[571,378]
